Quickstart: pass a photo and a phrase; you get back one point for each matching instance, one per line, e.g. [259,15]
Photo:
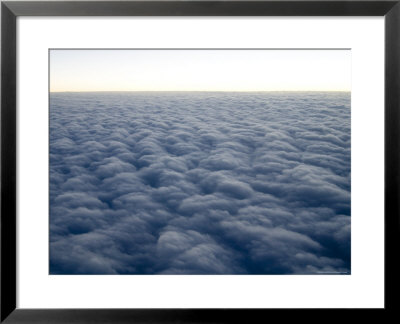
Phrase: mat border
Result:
[10,10]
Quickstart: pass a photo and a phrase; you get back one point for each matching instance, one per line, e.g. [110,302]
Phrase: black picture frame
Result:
[10,10]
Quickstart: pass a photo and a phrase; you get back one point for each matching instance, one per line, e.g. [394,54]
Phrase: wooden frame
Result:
[11,10]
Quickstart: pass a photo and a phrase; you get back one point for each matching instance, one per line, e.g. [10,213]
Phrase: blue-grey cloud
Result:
[199,183]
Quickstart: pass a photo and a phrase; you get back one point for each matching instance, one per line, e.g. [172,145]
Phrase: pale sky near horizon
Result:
[200,70]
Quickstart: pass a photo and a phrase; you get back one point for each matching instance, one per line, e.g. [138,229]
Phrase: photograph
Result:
[199,161]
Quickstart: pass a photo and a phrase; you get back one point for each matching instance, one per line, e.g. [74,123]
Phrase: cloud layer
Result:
[199,183]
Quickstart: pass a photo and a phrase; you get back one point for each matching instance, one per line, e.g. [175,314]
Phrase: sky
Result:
[199,70]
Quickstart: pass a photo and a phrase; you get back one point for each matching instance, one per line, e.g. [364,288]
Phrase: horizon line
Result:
[74,91]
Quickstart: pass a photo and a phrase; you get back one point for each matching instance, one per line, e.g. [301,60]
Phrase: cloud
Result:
[200,183]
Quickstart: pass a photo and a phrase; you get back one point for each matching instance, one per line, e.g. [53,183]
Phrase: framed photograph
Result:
[198,161]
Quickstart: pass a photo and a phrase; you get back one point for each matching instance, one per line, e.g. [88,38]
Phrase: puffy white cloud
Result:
[199,183]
